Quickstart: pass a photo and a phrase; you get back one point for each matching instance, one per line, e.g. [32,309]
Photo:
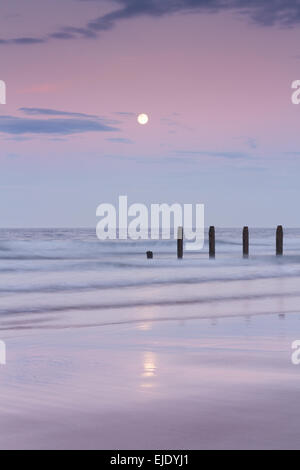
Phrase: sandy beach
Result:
[180,356]
[174,384]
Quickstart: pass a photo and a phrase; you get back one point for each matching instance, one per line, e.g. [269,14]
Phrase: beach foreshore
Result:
[196,384]
[106,349]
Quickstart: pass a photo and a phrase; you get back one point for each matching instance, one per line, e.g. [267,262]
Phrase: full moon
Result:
[143,119]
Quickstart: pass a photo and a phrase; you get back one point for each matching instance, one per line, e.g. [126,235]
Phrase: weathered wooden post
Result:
[180,243]
[149,255]
[212,242]
[246,242]
[279,241]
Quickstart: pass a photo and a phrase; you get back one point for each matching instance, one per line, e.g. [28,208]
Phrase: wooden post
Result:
[279,241]
[246,242]
[180,243]
[149,255]
[212,242]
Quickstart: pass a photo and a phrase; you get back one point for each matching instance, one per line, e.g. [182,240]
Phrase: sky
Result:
[214,77]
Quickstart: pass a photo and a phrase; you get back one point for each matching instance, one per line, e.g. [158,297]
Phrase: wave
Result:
[91,286]
[137,304]
[38,324]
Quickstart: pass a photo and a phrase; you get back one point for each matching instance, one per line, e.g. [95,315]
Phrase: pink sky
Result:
[217,89]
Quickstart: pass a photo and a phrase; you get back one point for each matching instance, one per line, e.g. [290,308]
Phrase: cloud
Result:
[13,155]
[265,13]
[125,113]
[172,122]
[61,35]
[54,112]
[19,126]
[120,140]
[27,40]
[169,122]
[23,41]
[17,138]
[251,143]
[208,153]
[270,12]
[44,112]
[71,31]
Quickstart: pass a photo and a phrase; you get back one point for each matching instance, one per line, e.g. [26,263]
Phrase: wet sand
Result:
[224,383]
[109,350]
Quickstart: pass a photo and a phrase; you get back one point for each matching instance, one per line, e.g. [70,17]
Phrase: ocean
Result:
[107,349]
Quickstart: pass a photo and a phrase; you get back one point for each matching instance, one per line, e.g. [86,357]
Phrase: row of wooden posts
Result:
[212,242]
